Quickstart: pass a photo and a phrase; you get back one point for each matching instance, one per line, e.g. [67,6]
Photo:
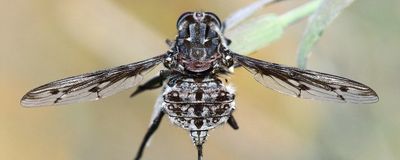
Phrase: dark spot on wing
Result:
[58,99]
[94,89]
[304,87]
[54,91]
[341,97]
[343,88]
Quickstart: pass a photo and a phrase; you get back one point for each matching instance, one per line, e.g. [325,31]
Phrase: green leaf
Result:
[245,12]
[262,30]
[318,22]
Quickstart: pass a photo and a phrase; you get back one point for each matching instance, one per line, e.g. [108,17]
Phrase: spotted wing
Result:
[89,86]
[307,84]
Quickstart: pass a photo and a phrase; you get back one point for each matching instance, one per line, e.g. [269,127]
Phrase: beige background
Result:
[45,40]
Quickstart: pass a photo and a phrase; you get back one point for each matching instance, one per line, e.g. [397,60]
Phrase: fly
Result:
[194,97]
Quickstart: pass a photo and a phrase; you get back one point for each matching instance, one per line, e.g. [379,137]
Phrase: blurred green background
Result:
[45,40]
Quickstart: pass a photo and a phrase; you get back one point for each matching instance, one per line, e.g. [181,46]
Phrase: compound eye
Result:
[214,18]
[184,17]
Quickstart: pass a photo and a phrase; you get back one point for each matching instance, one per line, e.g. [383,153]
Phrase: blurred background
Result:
[45,40]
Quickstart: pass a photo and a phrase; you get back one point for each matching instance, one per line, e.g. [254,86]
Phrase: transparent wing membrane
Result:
[307,84]
[89,86]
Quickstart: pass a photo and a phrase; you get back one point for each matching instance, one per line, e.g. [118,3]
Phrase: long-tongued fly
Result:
[194,97]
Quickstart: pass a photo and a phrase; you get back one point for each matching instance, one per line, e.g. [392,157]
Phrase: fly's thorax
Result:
[197,42]
[200,47]
[197,48]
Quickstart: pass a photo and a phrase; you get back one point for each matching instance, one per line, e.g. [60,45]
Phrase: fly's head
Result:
[199,45]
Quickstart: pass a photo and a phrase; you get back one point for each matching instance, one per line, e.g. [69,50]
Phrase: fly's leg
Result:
[156,118]
[153,127]
[232,123]
[245,13]
[154,83]
[199,151]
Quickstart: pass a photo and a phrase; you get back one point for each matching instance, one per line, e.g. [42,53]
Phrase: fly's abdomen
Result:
[198,104]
